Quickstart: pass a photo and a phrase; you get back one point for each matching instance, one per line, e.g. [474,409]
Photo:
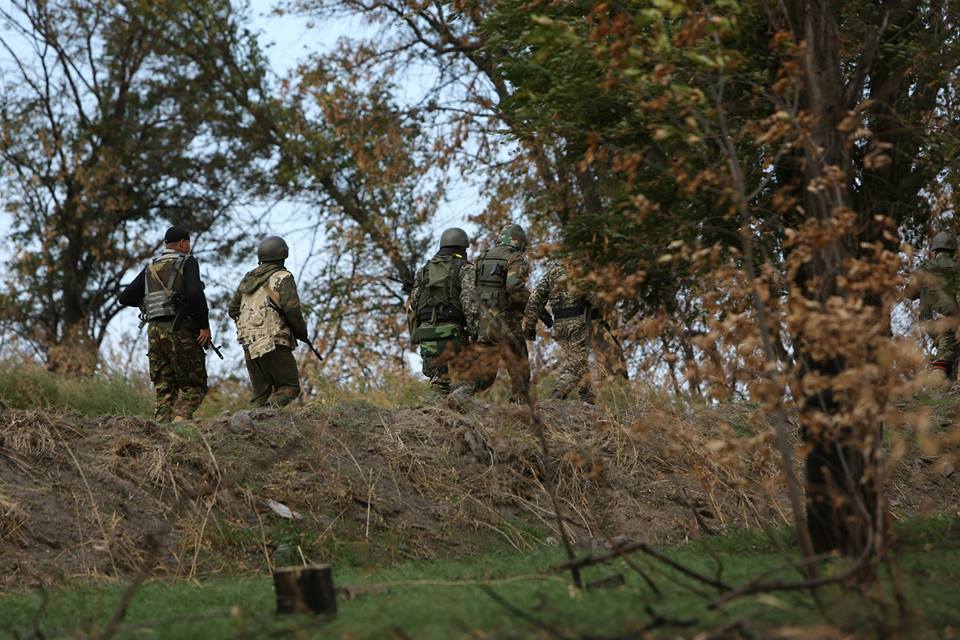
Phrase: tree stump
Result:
[305,590]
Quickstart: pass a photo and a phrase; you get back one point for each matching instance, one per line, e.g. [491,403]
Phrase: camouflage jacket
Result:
[286,291]
[468,299]
[936,284]
[557,289]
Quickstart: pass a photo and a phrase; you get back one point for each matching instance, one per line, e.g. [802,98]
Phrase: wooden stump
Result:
[305,589]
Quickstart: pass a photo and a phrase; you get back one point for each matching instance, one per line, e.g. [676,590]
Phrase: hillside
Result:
[95,496]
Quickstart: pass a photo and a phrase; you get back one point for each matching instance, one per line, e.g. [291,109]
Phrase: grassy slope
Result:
[445,598]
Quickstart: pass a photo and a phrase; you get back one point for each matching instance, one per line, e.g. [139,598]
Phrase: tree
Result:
[801,138]
[106,137]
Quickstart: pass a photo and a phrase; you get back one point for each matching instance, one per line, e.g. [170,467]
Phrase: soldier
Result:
[170,295]
[269,320]
[501,289]
[936,284]
[442,309]
[570,306]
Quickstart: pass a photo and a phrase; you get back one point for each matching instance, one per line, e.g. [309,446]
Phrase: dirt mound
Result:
[83,497]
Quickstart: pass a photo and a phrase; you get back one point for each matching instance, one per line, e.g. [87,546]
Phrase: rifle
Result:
[283,317]
[546,318]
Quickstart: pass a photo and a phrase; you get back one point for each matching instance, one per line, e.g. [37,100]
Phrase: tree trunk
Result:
[305,590]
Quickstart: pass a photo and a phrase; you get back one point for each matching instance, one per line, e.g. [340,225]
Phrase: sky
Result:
[286,40]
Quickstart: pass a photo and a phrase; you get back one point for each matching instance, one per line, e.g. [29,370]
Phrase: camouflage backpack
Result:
[438,302]
[939,280]
[163,286]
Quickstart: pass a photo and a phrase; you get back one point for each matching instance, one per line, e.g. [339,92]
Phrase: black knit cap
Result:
[176,234]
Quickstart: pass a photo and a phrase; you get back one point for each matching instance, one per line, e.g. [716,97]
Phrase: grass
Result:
[450,598]
[25,385]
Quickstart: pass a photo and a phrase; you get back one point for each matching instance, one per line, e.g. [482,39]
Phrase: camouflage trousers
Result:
[509,348]
[178,370]
[274,377]
[943,333]
[573,337]
[441,349]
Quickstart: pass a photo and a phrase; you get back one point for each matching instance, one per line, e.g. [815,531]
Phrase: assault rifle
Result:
[283,317]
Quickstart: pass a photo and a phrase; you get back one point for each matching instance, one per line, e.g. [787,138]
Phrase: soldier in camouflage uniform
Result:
[937,284]
[170,295]
[269,320]
[570,306]
[442,309]
[501,289]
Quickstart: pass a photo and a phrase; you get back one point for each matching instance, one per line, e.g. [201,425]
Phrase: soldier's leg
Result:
[947,352]
[574,373]
[191,368]
[162,374]
[281,367]
[259,380]
[517,361]
[477,368]
[435,367]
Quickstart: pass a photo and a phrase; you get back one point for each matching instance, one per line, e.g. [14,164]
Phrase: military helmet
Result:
[944,241]
[513,234]
[273,249]
[454,237]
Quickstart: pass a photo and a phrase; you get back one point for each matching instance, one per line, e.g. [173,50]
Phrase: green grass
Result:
[447,598]
[25,385]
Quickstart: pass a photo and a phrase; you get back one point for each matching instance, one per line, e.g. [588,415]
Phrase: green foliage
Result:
[29,386]
[445,598]
[108,134]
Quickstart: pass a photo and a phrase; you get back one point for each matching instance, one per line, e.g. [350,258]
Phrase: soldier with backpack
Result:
[266,309]
[937,284]
[502,294]
[170,295]
[442,309]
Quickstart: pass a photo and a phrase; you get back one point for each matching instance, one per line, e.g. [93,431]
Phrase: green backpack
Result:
[439,299]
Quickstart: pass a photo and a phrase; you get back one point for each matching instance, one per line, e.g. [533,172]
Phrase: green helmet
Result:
[513,234]
[944,241]
[454,237]
[273,249]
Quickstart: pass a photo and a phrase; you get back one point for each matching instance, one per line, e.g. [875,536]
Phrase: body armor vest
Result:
[163,286]
[492,278]
[439,300]
[261,326]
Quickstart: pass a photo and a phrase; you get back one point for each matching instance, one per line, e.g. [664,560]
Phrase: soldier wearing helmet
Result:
[502,295]
[170,294]
[937,284]
[266,309]
[442,309]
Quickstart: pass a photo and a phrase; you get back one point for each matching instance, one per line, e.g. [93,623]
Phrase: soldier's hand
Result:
[530,331]
[203,338]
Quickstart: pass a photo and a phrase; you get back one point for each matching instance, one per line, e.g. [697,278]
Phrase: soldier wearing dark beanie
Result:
[169,292]
[176,234]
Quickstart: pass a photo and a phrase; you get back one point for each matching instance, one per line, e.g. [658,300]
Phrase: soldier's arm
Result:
[518,270]
[234,308]
[468,298]
[539,297]
[132,296]
[412,301]
[290,305]
[195,301]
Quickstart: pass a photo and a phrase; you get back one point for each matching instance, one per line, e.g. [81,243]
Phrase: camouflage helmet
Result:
[273,249]
[454,237]
[944,241]
[513,234]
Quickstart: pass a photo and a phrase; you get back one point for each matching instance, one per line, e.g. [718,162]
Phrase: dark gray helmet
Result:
[944,241]
[454,237]
[273,249]
[513,234]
